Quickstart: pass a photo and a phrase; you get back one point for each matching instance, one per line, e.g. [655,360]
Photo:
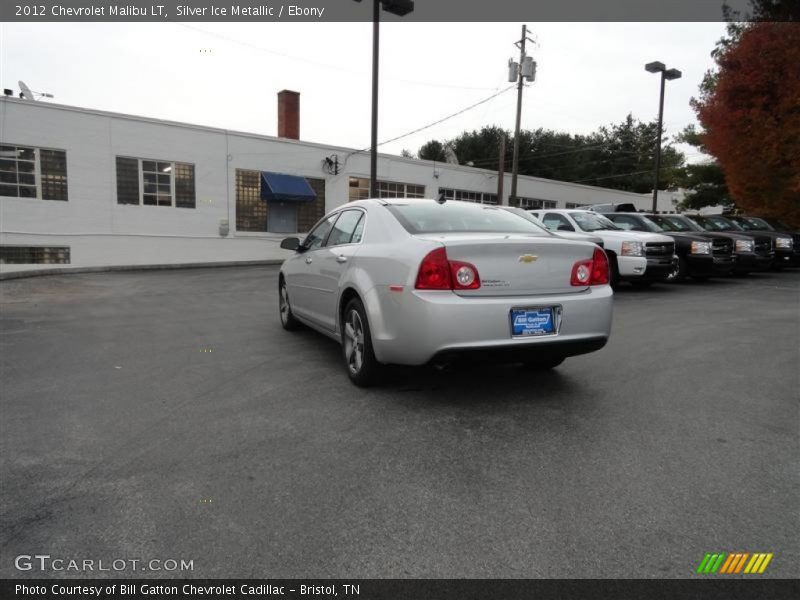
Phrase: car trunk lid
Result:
[516,264]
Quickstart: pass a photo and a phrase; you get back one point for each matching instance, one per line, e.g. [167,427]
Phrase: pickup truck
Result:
[747,256]
[787,253]
[699,256]
[764,245]
[634,256]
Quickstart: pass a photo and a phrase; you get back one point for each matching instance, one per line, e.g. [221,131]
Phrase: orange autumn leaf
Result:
[752,120]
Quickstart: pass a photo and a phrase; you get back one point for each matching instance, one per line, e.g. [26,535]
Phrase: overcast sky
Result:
[227,75]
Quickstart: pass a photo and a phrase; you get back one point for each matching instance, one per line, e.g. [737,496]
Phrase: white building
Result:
[84,188]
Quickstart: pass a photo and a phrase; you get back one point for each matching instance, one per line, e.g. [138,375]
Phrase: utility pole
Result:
[525,70]
[501,169]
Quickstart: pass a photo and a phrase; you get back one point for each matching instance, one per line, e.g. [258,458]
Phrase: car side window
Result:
[358,233]
[554,220]
[343,230]
[317,236]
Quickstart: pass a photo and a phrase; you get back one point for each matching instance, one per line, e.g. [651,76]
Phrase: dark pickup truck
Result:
[746,259]
[698,255]
[757,258]
[787,241]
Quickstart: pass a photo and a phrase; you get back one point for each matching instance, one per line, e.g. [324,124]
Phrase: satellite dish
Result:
[26,92]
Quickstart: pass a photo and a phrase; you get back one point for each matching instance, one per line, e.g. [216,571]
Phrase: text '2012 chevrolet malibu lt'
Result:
[402,281]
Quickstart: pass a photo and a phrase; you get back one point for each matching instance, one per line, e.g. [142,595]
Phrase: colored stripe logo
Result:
[734,563]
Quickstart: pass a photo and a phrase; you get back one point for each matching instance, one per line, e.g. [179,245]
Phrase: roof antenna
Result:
[440,198]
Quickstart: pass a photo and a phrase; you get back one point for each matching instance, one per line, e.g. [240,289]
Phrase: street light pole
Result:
[657,169]
[373,157]
[399,8]
[666,74]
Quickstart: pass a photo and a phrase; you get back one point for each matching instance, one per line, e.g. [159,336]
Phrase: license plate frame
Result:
[535,328]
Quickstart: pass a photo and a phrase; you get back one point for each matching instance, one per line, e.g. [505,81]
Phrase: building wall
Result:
[101,232]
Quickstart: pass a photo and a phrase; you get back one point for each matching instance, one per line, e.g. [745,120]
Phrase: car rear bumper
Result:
[515,353]
[413,327]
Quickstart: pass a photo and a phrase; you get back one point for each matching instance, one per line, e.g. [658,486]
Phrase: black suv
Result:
[763,245]
[787,242]
[699,256]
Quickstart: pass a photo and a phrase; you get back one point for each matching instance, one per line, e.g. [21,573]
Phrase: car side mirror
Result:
[564,227]
[290,243]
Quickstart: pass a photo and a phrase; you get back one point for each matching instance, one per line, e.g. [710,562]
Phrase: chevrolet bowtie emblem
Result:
[528,258]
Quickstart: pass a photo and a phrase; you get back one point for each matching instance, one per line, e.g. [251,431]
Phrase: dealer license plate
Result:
[532,321]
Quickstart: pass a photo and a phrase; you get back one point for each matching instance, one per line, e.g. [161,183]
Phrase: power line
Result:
[442,120]
[484,101]
[551,154]
[627,174]
[322,64]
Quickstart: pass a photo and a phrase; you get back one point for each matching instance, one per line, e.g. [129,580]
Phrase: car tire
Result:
[288,320]
[544,364]
[359,358]
[679,273]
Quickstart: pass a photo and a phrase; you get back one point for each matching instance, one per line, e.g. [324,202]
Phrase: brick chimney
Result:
[289,114]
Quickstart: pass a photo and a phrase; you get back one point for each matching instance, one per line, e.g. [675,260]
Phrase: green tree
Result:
[619,156]
[704,181]
[433,150]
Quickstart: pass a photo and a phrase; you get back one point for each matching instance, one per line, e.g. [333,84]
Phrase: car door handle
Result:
[309,260]
[341,259]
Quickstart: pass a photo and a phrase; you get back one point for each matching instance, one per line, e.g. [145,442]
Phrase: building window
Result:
[155,182]
[251,210]
[531,203]
[468,196]
[34,255]
[359,189]
[38,173]
[575,205]
[252,213]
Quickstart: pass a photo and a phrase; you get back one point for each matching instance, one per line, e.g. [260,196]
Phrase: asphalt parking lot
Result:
[166,415]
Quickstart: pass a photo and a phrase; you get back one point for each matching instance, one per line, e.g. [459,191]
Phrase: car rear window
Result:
[458,217]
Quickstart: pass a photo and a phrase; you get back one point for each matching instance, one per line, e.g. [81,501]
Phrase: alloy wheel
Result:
[354,342]
[283,304]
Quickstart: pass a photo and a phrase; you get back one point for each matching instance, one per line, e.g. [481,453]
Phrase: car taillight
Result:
[591,272]
[600,269]
[465,276]
[438,273]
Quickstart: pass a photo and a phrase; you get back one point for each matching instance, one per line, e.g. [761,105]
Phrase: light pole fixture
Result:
[666,74]
[399,8]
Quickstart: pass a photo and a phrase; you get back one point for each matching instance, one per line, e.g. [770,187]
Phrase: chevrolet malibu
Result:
[410,282]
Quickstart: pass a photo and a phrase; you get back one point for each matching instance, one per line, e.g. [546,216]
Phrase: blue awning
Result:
[277,186]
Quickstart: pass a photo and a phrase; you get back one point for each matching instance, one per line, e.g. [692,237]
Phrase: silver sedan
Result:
[401,281]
